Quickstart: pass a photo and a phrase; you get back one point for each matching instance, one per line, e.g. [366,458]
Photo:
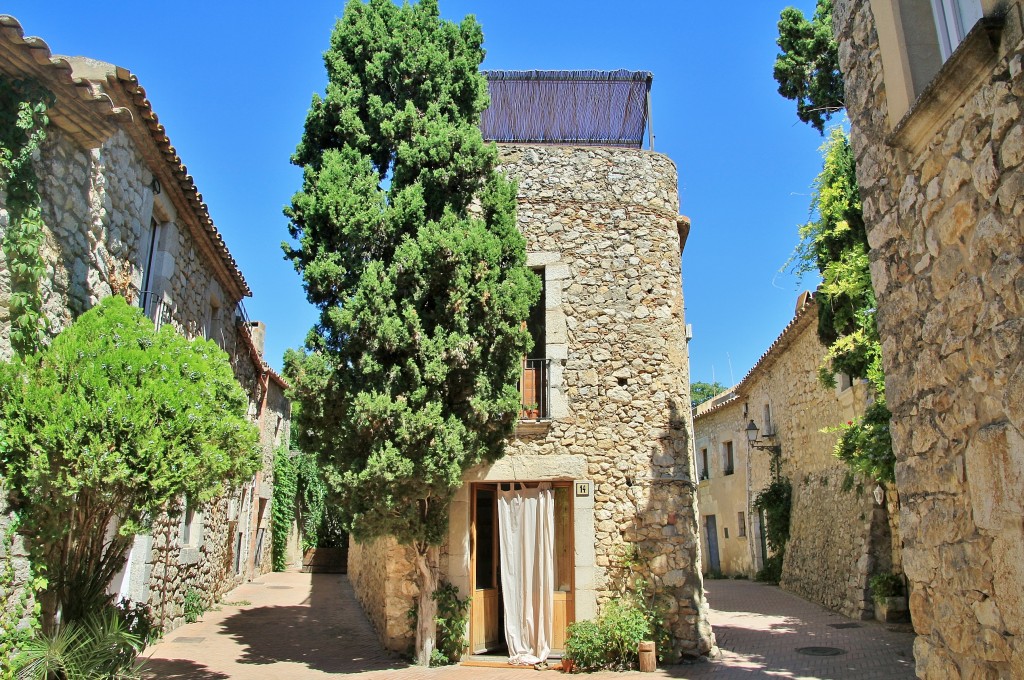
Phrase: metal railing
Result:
[534,390]
[155,308]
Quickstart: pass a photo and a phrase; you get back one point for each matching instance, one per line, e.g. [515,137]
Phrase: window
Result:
[727,458]
[212,331]
[705,471]
[741,524]
[726,531]
[533,387]
[147,298]
[769,430]
[191,525]
[953,19]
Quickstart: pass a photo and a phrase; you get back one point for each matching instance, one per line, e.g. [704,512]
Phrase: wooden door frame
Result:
[571,535]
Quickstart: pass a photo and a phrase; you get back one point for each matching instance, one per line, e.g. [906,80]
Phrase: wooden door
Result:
[486,607]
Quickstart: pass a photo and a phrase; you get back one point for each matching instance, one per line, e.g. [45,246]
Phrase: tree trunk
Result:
[427,577]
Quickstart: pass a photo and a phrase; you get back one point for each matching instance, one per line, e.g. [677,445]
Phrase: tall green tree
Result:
[107,427]
[419,341]
[807,68]
[835,245]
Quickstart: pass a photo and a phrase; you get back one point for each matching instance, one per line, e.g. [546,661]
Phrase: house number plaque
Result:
[582,489]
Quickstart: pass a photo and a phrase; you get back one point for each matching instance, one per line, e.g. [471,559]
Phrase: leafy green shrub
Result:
[610,642]
[97,646]
[193,607]
[886,585]
[585,645]
[451,619]
[114,419]
[772,570]
[624,626]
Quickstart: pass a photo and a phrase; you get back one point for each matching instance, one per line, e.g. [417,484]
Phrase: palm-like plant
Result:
[100,646]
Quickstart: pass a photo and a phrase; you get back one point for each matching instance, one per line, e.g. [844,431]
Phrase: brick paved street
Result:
[301,626]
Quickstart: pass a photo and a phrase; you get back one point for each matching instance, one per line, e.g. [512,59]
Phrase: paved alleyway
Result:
[301,626]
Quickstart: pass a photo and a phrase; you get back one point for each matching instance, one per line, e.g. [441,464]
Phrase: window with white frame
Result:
[953,20]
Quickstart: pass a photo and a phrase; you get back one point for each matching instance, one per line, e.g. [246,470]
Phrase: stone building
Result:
[122,214]
[839,535]
[605,415]
[934,102]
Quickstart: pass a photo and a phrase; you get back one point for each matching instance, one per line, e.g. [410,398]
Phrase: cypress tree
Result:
[407,243]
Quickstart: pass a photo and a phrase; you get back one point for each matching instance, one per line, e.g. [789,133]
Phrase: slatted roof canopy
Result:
[585,108]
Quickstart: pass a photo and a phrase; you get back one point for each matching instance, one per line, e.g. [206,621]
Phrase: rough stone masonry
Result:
[947,262]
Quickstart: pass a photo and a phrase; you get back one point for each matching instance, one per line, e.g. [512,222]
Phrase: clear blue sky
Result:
[232,82]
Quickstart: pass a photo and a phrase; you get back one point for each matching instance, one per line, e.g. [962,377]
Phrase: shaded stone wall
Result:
[383,577]
[944,221]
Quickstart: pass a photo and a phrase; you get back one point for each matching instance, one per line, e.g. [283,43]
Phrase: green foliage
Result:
[114,421]
[807,68]
[702,391]
[585,645]
[23,121]
[866,444]
[98,646]
[885,585]
[776,502]
[282,506]
[610,642]
[452,618]
[137,618]
[624,625]
[418,348]
[771,572]
[644,595]
[19,610]
[835,244]
[193,607]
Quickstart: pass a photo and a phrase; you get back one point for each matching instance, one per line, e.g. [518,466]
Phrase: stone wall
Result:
[947,254]
[383,578]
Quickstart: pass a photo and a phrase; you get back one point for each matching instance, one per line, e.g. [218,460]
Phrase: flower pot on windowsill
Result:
[530,414]
[891,609]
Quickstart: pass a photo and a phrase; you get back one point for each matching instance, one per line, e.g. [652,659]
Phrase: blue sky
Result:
[232,82]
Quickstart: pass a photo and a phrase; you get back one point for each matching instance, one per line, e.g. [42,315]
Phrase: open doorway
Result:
[488,630]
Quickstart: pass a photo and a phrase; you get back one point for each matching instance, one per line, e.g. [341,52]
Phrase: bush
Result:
[114,419]
[611,641]
[585,645]
[451,619]
[772,571]
[886,585]
[193,607]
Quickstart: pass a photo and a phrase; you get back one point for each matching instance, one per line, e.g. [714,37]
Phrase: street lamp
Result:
[753,442]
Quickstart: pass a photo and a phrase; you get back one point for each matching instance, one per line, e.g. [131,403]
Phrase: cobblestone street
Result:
[302,626]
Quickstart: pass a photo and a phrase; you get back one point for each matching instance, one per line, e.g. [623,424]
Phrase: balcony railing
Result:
[534,388]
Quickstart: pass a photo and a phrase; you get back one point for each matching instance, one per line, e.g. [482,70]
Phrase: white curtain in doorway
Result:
[526,529]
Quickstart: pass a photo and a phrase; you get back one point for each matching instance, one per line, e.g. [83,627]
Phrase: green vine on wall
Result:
[282,509]
[19,609]
[776,502]
[23,121]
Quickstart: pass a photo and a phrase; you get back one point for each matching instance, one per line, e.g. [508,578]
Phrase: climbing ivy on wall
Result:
[17,600]
[23,121]
[282,509]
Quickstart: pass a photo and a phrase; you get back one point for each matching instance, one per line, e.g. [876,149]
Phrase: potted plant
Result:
[887,591]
